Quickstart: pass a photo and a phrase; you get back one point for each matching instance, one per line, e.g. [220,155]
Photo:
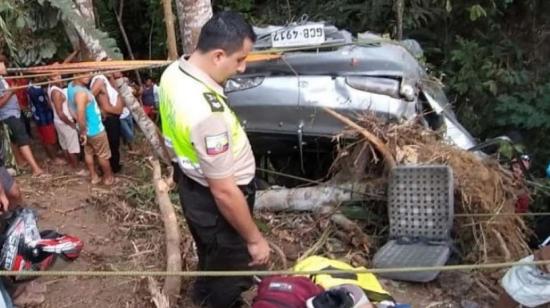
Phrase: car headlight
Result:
[408,92]
[242,83]
[378,85]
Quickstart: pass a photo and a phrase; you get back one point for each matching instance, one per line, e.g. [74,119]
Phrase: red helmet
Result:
[27,249]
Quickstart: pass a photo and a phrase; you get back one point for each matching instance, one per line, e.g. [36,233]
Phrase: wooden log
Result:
[195,14]
[308,198]
[172,284]
[170,32]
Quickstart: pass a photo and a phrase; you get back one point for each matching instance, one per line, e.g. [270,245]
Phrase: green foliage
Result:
[529,109]
[33,26]
[6,40]
[138,29]
[36,25]
[69,14]
[476,12]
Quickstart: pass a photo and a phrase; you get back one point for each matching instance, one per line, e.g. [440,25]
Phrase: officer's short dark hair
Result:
[226,30]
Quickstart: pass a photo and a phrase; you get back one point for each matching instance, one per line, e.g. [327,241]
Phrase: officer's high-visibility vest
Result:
[183,98]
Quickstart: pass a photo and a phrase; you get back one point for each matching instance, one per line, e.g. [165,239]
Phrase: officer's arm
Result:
[233,206]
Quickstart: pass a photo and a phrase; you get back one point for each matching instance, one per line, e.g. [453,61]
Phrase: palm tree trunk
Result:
[196,13]
[91,48]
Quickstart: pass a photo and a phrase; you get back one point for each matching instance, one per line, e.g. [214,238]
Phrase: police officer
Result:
[213,159]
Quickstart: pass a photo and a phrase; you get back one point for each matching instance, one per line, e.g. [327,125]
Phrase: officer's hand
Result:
[259,251]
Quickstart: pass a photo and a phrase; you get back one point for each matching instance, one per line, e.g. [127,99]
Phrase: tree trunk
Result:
[308,198]
[195,14]
[85,9]
[181,23]
[399,11]
[150,41]
[147,126]
[118,16]
[74,38]
[170,33]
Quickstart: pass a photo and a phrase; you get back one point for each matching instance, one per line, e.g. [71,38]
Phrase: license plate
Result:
[306,35]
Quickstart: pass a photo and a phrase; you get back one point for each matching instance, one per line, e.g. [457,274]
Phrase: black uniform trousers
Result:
[112,127]
[219,245]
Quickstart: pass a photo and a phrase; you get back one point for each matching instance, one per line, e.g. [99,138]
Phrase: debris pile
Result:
[482,186]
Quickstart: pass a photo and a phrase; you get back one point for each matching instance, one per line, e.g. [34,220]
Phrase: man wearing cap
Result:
[213,159]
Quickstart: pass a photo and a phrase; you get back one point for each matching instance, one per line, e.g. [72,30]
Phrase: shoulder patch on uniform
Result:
[213,101]
[217,144]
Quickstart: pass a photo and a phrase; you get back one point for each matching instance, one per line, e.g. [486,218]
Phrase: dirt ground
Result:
[69,204]
[61,202]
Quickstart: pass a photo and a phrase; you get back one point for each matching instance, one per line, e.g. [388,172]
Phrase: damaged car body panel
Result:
[280,100]
[454,131]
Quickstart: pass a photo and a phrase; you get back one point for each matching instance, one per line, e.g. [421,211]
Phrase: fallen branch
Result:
[280,253]
[158,297]
[354,233]
[172,284]
[487,290]
[76,208]
[379,144]
[317,246]
[308,198]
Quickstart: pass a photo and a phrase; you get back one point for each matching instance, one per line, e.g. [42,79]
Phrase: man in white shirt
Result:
[111,107]
[64,122]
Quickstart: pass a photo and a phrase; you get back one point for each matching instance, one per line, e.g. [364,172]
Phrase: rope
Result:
[67,68]
[89,65]
[40,75]
[73,78]
[61,72]
[502,214]
[443,268]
